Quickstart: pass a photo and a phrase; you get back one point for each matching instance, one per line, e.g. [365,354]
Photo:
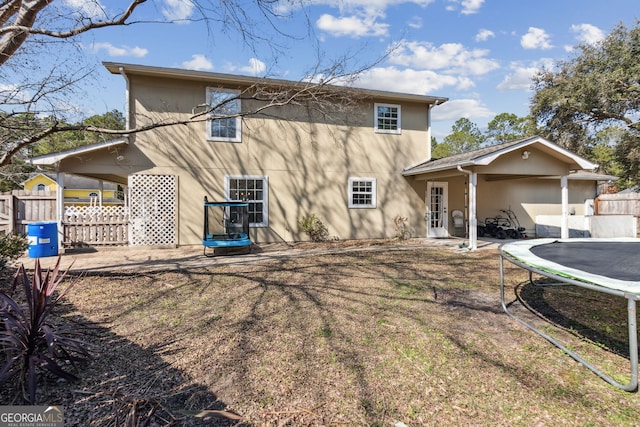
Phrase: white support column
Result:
[564,224]
[473,218]
[60,208]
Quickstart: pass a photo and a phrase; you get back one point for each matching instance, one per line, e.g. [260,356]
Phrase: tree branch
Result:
[13,36]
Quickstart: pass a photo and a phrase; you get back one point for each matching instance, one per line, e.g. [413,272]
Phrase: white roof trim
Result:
[53,158]
[582,162]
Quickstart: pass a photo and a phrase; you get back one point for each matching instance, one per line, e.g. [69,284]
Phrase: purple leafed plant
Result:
[32,340]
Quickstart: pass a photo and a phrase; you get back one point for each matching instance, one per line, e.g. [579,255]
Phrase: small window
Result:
[41,187]
[224,123]
[93,194]
[387,118]
[252,189]
[362,192]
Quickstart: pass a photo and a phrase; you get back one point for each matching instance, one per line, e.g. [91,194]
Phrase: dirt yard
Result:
[376,335]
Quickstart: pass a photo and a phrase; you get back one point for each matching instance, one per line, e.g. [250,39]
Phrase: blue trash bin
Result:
[43,239]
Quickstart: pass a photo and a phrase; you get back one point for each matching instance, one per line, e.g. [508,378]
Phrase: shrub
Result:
[32,341]
[314,227]
[12,246]
[402,229]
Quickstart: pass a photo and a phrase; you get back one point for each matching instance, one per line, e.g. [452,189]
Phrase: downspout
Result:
[127,122]
[127,126]
[473,220]
[429,107]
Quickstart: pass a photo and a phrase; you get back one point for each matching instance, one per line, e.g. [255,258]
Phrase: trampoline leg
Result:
[633,340]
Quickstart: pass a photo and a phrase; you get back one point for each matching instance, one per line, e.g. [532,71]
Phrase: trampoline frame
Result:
[631,298]
[226,240]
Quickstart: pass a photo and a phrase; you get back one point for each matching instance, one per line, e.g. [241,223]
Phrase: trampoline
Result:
[611,266]
[226,226]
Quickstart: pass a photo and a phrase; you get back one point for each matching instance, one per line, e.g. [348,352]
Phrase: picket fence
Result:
[95,226]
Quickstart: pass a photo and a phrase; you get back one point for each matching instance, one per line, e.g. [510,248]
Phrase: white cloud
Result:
[346,6]
[415,22]
[178,10]
[421,82]
[457,108]
[87,8]
[352,26]
[521,75]
[255,67]
[587,33]
[536,38]
[112,50]
[469,7]
[519,79]
[484,35]
[199,63]
[451,56]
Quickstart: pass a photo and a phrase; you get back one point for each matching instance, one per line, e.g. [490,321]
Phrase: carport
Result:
[523,174]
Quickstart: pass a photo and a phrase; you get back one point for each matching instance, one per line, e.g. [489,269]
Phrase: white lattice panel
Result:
[152,204]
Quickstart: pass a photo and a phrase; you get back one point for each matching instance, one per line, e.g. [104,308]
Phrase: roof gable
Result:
[487,155]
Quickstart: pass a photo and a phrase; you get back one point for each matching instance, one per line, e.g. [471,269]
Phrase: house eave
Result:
[55,158]
[246,81]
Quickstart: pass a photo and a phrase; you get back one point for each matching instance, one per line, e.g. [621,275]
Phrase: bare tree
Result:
[33,90]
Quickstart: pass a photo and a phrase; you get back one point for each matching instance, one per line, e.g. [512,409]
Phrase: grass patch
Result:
[360,338]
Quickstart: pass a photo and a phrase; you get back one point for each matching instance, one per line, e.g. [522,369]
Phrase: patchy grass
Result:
[364,338]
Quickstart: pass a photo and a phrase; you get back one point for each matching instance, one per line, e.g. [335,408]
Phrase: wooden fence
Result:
[619,204]
[96,226]
[22,207]
[82,226]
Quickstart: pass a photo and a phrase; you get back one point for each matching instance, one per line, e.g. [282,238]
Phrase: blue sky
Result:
[480,54]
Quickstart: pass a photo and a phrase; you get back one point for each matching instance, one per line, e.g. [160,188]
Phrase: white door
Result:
[437,209]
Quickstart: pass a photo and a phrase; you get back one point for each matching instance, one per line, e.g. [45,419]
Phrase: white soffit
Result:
[53,158]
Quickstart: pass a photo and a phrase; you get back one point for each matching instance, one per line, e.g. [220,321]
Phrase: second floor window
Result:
[224,124]
[387,118]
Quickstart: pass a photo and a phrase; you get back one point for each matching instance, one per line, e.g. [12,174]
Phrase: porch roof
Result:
[486,155]
[52,161]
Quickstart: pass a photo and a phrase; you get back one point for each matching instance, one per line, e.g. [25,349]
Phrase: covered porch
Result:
[524,178]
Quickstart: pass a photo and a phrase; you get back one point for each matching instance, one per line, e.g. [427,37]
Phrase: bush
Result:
[314,227]
[12,246]
[402,229]
[32,341]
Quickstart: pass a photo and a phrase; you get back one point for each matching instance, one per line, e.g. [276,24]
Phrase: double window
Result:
[224,123]
[387,118]
[252,189]
[362,192]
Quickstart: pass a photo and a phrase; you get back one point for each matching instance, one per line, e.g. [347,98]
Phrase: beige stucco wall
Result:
[308,160]
[530,197]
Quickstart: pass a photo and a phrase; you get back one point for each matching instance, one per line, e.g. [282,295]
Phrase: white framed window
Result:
[93,194]
[252,189]
[362,193]
[224,123]
[387,118]
[41,187]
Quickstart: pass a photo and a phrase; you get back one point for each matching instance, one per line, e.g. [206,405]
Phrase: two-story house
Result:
[355,158]
[338,153]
